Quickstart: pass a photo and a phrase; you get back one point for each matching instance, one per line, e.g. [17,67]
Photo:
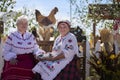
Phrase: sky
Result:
[45,6]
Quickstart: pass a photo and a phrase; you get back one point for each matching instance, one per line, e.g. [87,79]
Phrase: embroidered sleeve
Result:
[71,47]
[55,43]
[7,49]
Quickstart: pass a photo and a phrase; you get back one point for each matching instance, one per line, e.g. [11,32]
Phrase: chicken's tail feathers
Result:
[37,13]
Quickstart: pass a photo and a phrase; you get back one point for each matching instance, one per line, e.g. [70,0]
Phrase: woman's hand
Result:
[13,61]
[51,58]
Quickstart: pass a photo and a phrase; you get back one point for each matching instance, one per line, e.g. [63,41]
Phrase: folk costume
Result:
[61,69]
[23,48]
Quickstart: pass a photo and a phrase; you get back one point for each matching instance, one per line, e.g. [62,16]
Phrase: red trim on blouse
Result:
[22,38]
[18,47]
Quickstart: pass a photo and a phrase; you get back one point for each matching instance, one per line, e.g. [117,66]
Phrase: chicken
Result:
[46,20]
[46,23]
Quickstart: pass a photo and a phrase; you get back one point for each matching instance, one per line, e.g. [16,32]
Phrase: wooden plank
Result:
[104,11]
[117,0]
[46,45]
[1,29]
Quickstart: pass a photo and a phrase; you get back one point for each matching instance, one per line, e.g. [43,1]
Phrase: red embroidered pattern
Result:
[9,38]
[70,40]
[21,38]
[19,47]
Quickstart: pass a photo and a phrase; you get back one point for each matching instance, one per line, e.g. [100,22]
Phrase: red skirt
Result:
[22,70]
[70,72]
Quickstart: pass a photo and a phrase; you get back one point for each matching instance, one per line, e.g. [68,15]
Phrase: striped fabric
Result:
[21,71]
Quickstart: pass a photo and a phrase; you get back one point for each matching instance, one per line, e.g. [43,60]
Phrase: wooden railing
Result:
[46,45]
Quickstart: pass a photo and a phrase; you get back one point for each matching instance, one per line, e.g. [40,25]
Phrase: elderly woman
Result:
[18,53]
[61,64]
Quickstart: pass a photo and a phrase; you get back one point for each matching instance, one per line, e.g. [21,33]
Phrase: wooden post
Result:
[1,29]
[84,60]
[94,32]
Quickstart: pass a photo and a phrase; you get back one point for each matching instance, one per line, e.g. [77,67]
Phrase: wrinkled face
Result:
[22,25]
[63,29]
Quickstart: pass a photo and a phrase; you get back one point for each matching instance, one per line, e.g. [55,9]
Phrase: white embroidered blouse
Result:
[67,44]
[17,44]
